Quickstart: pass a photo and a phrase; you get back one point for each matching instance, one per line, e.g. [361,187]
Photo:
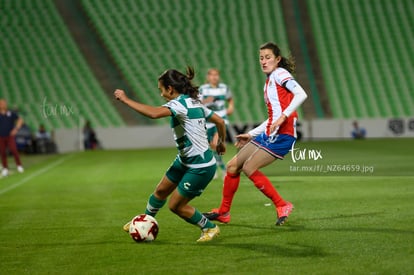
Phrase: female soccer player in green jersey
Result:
[195,165]
[217,97]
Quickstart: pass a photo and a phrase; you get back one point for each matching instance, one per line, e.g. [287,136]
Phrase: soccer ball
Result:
[143,228]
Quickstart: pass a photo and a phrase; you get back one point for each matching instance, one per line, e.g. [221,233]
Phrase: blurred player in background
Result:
[269,141]
[218,98]
[195,165]
[10,123]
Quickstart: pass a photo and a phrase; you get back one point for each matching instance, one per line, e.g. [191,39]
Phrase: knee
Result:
[232,167]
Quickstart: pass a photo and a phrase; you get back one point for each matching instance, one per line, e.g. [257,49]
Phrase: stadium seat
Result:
[42,64]
[365,53]
[144,42]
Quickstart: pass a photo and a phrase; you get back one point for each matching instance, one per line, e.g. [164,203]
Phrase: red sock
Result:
[265,186]
[231,183]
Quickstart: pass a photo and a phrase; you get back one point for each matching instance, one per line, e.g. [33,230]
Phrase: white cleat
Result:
[20,169]
[5,172]
[215,176]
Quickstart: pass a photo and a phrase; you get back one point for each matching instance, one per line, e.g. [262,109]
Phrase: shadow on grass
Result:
[249,238]
[354,229]
[370,230]
[269,229]
[270,249]
[346,216]
[290,250]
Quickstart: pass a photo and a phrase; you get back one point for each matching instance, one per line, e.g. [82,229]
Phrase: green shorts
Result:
[210,133]
[191,182]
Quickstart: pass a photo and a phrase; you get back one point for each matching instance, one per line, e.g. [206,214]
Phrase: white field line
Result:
[35,174]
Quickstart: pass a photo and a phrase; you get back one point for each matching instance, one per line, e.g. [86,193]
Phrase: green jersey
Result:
[188,122]
[221,95]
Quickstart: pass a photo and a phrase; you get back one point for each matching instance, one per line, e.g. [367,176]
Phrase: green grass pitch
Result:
[353,215]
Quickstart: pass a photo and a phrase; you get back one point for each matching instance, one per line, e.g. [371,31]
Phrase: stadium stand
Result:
[43,72]
[365,49]
[143,42]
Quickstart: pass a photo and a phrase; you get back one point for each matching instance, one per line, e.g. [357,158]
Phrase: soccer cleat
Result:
[215,176]
[126,227]
[214,215]
[20,169]
[283,213]
[208,234]
[5,172]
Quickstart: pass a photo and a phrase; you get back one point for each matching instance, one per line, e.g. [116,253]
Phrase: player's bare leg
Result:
[179,205]
[251,167]
[219,159]
[231,183]
[157,200]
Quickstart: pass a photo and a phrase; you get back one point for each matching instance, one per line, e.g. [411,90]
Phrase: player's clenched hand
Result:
[221,148]
[120,95]
[275,126]
[242,140]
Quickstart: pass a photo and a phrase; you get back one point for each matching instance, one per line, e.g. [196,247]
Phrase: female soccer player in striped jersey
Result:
[217,97]
[269,141]
[195,165]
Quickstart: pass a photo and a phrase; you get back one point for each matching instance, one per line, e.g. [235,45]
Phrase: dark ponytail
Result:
[180,82]
[287,63]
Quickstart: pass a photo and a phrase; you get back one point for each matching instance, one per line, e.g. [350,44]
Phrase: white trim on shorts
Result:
[266,150]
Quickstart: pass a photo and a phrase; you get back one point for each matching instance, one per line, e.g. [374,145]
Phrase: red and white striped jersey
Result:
[277,99]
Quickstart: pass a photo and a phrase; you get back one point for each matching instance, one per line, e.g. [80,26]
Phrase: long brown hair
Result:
[286,62]
[180,82]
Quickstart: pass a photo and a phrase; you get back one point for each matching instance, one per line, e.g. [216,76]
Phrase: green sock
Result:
[154,205]
[201,221]
[219,161]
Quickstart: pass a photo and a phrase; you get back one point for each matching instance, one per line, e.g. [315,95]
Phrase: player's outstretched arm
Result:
[146,110]
[221,129]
